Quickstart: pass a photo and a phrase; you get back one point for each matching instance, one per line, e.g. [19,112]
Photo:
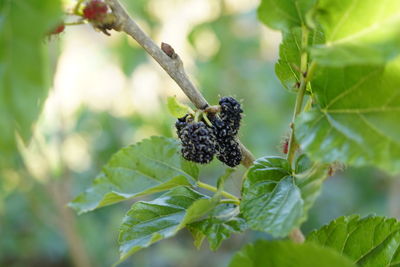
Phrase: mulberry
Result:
[180,124]
[229,152]
[198,142]
[95,10]
[201,141]
[231,113]
[220,128]
[228,149]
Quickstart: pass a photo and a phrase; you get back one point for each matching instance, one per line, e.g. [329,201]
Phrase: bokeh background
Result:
[108,93]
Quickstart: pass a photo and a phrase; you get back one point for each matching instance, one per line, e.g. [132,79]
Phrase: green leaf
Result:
[288,66]
[358,32]
[284,14]
[357,117]
[150,166]
[222,222]
[24,67]
[289,16]
[271,201]
[198,236]
[274,199]
[287,254]
[309,178]
[177,109]
[148,222]
[222,179]
[370,241]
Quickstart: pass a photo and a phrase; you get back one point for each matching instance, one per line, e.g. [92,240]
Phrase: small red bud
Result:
[168,50]
[59,29]
[285,146]
[95,10]
[334,167]
[331,171]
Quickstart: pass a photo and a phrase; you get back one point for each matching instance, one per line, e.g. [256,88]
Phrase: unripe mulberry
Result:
[95,10]
[285,145]
[59,29]
[198,142]
[231,113]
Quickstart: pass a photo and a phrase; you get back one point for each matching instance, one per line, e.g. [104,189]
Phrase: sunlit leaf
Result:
[288,66]
[357,117]
[150,166]
[358,32]
[370,241]
[284,14]
[177,109]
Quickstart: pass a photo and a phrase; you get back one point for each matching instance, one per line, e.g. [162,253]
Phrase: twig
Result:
[248,157]
[300,95]
[215,190]
[168,60]
[296,235]
[173,66]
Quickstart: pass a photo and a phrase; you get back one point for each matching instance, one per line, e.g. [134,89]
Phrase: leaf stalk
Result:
[215,190]
[300,95]
[305,75]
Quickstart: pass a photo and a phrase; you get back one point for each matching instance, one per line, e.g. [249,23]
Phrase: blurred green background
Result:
[108,94]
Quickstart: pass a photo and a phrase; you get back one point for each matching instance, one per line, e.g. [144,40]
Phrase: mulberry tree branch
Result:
[168,60]
[172,65]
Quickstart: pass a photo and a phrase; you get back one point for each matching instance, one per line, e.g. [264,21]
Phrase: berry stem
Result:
[305,75]
[311,71]
[300,95]
[197,115]
[308,104]
[206,119]
[80,22]
[229,201]
[77,7]
[297,110]
[213,109]
[211,188]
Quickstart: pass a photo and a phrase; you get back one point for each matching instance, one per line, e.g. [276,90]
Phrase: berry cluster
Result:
[231,113]
[215,135]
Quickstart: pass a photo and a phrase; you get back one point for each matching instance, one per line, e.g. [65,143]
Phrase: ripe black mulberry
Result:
[228,149]
[201,140]
[198,142]
[229,152]
[231,113]
[180,124]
